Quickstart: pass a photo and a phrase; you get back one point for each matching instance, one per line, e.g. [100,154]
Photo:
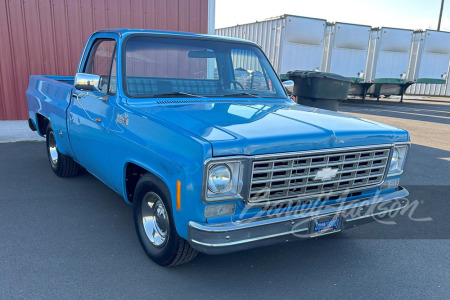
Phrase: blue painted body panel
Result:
[50,98]
[173,141]
[259,128]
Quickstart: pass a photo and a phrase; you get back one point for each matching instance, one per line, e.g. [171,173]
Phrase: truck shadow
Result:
[427,111]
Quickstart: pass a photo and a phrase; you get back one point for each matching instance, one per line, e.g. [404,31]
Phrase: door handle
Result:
[104,98]
[78,96]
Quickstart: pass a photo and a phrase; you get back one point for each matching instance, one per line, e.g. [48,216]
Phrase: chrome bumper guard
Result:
[247,234]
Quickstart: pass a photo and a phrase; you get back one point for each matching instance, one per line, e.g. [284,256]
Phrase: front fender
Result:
[168,152]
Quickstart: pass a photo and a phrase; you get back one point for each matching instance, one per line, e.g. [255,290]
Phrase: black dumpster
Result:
[319,89]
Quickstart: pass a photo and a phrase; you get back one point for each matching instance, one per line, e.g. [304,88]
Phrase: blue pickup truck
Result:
[199,134]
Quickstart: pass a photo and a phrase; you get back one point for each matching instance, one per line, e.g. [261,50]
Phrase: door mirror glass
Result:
[289,86]
[87,82]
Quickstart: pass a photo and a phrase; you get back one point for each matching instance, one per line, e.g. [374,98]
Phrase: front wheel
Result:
[62,165]
[154,224]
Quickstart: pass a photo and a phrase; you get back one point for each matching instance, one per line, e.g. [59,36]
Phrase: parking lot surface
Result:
[74,238]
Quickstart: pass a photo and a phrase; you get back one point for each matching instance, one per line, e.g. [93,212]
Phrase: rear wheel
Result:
[62,165]
[154,224]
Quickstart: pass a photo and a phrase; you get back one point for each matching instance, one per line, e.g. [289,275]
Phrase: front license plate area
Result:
[325,225]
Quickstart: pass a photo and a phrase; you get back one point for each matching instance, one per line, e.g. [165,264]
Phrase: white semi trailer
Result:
[290,42]
[346,49]
[429,63]
[388,61]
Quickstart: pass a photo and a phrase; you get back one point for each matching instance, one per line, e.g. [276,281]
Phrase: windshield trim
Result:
[187,37]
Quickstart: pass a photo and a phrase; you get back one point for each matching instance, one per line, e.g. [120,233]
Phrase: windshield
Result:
[177,67]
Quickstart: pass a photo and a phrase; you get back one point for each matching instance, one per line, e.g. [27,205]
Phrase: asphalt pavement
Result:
[74,238]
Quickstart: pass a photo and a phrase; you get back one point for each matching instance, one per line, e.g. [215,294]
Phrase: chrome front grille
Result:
[286,177]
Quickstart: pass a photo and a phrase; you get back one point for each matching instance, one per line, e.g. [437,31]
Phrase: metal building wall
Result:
[47,36]
[423,89]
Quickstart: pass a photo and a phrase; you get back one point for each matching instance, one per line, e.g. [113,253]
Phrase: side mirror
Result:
[289,86]
[87,82]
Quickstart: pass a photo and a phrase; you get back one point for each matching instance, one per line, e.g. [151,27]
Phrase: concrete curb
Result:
[17,131]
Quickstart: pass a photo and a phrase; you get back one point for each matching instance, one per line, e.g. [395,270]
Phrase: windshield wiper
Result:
[240,95]
[176,94]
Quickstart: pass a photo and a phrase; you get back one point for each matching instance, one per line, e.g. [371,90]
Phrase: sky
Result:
[407,14]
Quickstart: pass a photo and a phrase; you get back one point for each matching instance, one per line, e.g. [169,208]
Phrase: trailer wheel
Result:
[155,226]
[62,165]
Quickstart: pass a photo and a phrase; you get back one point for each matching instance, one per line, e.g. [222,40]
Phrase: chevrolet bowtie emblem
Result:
[326,174]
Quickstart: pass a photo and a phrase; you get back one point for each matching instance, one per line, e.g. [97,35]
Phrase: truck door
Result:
[90,113]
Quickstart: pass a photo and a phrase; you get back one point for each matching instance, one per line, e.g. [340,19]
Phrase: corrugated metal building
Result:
[47,36]
[424,89]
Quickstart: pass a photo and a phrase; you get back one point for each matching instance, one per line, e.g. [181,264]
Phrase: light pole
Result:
[440,15]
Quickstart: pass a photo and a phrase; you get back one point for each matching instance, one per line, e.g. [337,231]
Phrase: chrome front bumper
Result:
[247,234]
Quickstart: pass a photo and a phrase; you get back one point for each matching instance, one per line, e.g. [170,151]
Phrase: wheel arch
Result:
[132,172]
[42,124]
[60,129]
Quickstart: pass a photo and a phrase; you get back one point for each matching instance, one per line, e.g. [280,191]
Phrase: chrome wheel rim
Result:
[52,149]
[155,219]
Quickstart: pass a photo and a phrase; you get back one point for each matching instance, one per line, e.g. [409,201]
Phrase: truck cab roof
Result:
[123,32]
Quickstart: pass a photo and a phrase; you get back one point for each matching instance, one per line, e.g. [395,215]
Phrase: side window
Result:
[113,77]
[101,61]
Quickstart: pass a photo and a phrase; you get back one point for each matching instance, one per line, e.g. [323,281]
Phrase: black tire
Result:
[174,250]
[62,165]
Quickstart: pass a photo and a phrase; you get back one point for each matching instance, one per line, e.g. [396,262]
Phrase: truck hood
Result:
[272,127]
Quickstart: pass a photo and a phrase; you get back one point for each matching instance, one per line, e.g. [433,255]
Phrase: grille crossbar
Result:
[285,177]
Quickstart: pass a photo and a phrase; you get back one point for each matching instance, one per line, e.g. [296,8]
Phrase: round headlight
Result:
[219,179]
[394,160]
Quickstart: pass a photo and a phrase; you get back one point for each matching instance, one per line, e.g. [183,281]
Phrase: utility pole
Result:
[440,15]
